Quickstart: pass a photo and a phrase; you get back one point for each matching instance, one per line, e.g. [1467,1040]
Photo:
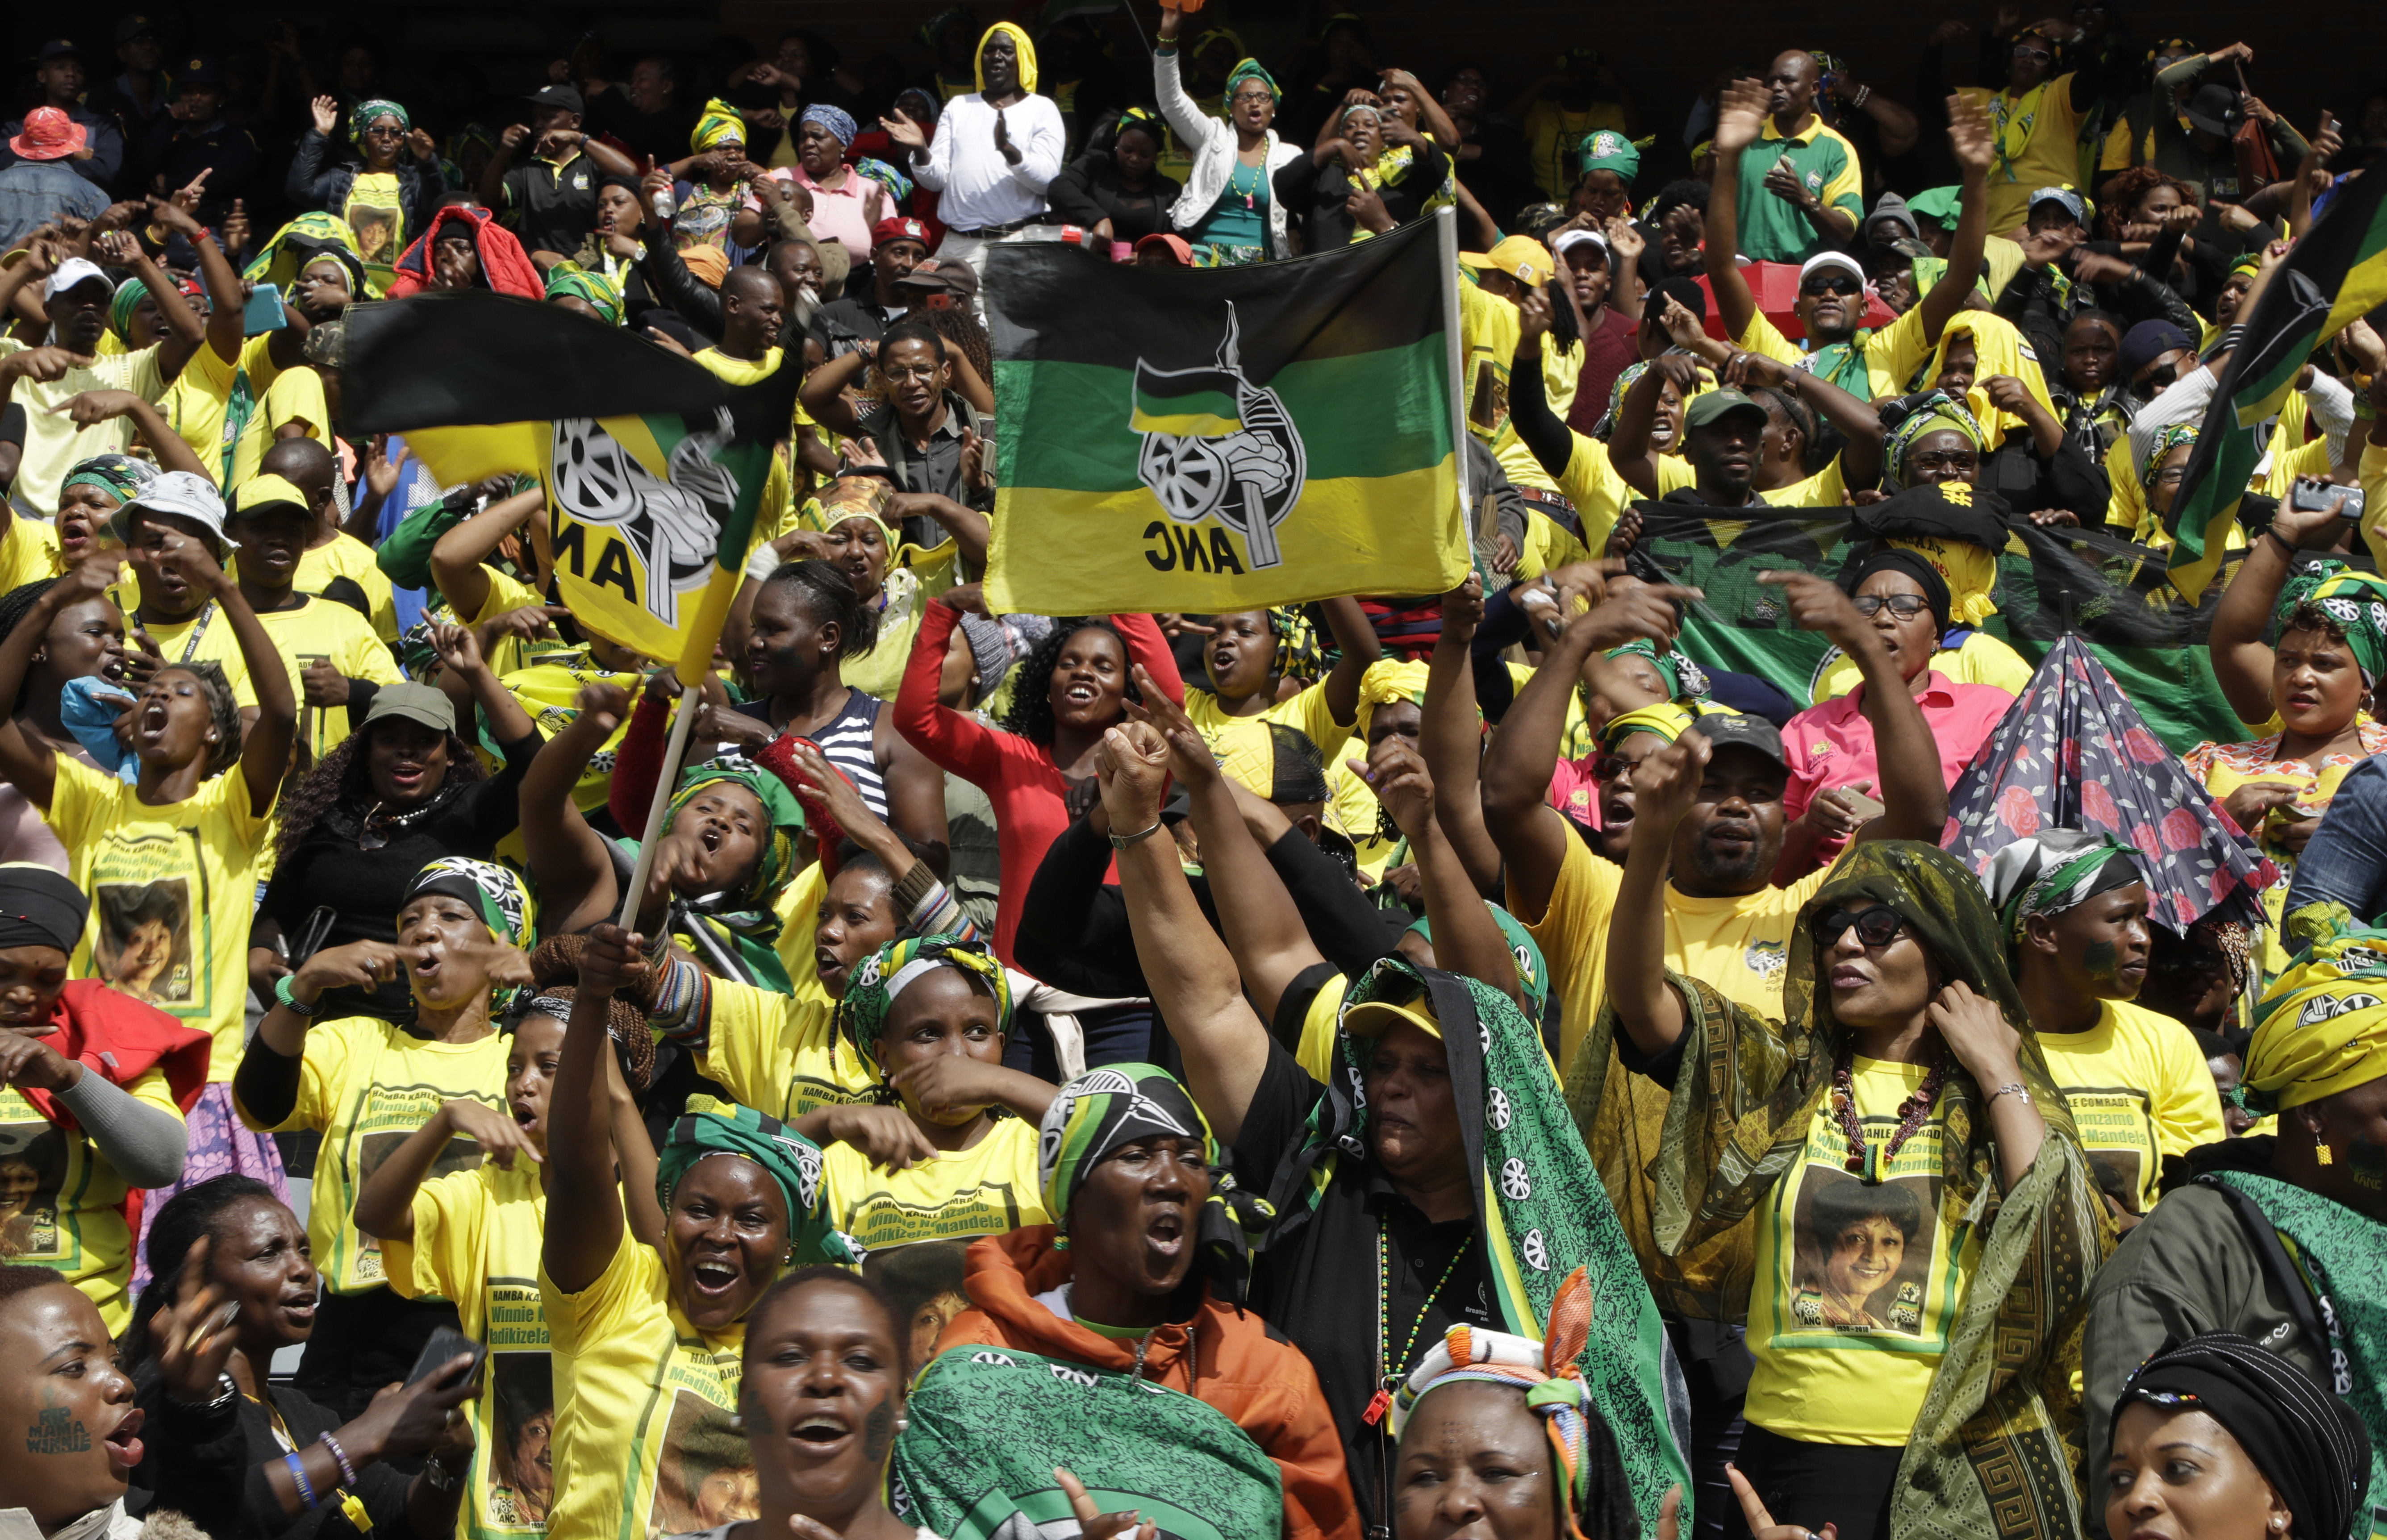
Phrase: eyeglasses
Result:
[1831,283]
[1954,462]
[378,131]
[2171,475]
[1876,926]
[912,372]
[1607,767]
[1904,606]
[2024,50]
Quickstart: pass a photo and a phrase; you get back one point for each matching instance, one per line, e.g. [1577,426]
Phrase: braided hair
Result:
[827,594]
[555,976]
[14,605]
[223,712]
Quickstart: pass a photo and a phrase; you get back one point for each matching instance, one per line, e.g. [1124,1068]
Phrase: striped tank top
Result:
[844,741]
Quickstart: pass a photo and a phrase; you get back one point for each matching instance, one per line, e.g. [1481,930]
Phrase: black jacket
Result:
[1088,192]
[310,184]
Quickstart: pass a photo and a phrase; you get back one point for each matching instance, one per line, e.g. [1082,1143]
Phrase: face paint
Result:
[2099,959]
[57,1431]
[2366,1164]
[879,1433]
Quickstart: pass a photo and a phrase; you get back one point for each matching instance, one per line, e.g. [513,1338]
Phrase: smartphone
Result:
[2314,496]
[446,1343]
[263,312]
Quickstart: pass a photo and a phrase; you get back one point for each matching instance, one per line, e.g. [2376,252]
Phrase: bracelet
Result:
[348,1471]
[1121,841]
[440,1476]
[762,564]
[298,1474]
[2015,1086]
[225,1392]
[1857,102]
[290,1001]
[2284,545]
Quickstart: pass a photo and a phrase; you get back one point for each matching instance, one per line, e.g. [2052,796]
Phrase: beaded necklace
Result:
[1390,1375]
[1868,1162]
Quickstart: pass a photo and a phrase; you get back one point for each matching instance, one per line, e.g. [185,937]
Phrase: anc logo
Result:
[672,526]
[1216,445]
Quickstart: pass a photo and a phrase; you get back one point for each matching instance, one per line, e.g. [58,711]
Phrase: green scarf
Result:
[710,1127]
[1542,1210]
[871,992]
[2343,1256]
[1248,69]
[362,118]
[2000,1413]
[736,932]
[988,1425]
[1843,363]
[2356,603]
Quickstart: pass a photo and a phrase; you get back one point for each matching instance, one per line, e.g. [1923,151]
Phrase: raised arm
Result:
[567,857]
[456,560]
[1914,799]
[1467,940]
[1741,117]
[1192,977]
[584,1224]
[27,760]
[1975,145]
[1664,786]
[224,294]
[1451,737]
[100,406]
[822,392]
[1628,447]
[1359,647]
[959,745]
[265,757]
[1858,422]
[385,1205]
[2241,660]
[1529,402]
[184,330]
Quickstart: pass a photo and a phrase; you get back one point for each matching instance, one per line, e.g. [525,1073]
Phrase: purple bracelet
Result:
[348,1471]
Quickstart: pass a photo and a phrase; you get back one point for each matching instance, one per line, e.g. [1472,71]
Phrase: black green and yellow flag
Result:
[1176,440]
[654,467]
[2336,274]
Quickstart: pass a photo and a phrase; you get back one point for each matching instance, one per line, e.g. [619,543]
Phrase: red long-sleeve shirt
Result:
[1017,777]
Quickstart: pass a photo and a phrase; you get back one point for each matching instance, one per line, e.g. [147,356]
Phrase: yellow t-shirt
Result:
[782,1054]
[512,653]
[2048,132]
[29,552]
[365,1085]
[198,407]
[59,1200]
[1554,135]
[53,443]
[1488,327]
[295,396]
[320,629]
[207,636]
[988,1189]
[1549,546]
[476,1241]
[1981,659]
[1599,493]
[1242,744]
[1857,1286]
[1885,350]
[2139,1091]
[346,556]
[1825,489]
[172,888]
[644,1444]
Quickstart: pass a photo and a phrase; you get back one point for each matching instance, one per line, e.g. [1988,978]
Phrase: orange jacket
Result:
[1237,1364]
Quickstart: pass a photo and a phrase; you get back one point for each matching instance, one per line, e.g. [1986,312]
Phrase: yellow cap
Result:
[1373,1018]
[263,492]
[1520,256]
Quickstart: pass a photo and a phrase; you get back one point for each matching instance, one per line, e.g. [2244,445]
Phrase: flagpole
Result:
[695,661]
[1445,220]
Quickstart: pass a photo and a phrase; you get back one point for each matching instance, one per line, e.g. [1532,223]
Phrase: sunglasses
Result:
[1831,283]
[1904,606]
[1956,462]
[2024,50]
[1876,926]
[2159,379]
[1607,767]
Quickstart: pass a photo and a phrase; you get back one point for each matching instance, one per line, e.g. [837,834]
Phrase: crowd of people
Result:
[1402,1065]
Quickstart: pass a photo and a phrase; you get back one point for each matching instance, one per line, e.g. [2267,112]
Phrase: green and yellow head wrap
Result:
[1298,656]
[1684,679]
[361,118]
[1610,151]
[717,124]
[503,902]
[2323,1026]
[1936,412]
[598,291]
[778,861]
[120,307]
[888,972]
[710,1127]
[2356,603]
[1663,718]
[2170,437]
[1250,70]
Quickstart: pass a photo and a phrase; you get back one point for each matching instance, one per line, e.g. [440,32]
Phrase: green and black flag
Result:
[2336,274]
[1199,440]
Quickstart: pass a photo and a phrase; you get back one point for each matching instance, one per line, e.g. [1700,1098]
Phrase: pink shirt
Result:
[1832,744]
[1574,790]
[843,215]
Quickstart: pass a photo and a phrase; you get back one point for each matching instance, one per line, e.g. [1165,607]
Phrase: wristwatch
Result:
[440,1476]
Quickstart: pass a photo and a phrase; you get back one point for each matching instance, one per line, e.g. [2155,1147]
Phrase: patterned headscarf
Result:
[1101,1110]
[2053,871]
[121,476]
[2356,603]
[120,307]
[1663,718]
[835,119]
[743,926]
[2322,1025]
[361,118]
[2170,437]
[1684,679]
[870,992]
[1141,118]
[1533,971]
[494,891]
[1610,151]
[1247,69]
[717,124]
[304,240]
[1545,1371]
[1298,656]
[600,293]
[898,185]
[1936,412]
[710,1127]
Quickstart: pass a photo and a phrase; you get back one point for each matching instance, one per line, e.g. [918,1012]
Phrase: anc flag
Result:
[1199,441]
[2053,582]
[2337,274]
[653,466]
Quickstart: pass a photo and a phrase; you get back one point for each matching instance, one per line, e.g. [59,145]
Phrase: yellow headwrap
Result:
[1664,718]
[1386,681]
[1969,572]
[2323,1025]
[717,124]
[1018,41]
[1999,349]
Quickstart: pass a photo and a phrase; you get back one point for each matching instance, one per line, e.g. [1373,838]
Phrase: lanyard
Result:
[191,643]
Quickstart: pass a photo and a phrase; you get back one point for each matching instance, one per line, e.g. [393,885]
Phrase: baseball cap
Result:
[200,70]
[1738,729]
[2212,108]
[941,275]
[49,134]
[2148,341]
[1713,406]
[1568,240]
[128,28]
[56,46]
[1178,251]
[1373,1018]
[424,703]
[1520,256]
[74,271]
[184,495]
[2073,203]
[563,96]
[261,492]
[1826,260]
[899,227]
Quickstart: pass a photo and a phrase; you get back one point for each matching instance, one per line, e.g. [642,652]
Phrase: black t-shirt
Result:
[1321,1287]
[551,208]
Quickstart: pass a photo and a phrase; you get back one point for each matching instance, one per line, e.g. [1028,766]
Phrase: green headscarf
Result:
[710,1127]
[1533,972]
[2356,603]
[1252,69]
[361,118]
[2170,437]
[736,932]
[1610,151]
[1935,412]
[1684,680]
[871,992]
[504,903]
[2052,871]
[1936,204]
[600,292]
[120,307]
[121,476]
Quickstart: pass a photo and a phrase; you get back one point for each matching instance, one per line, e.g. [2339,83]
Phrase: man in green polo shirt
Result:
[1802,189]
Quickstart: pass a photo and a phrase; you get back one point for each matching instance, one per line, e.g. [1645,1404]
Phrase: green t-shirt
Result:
[1772,228]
